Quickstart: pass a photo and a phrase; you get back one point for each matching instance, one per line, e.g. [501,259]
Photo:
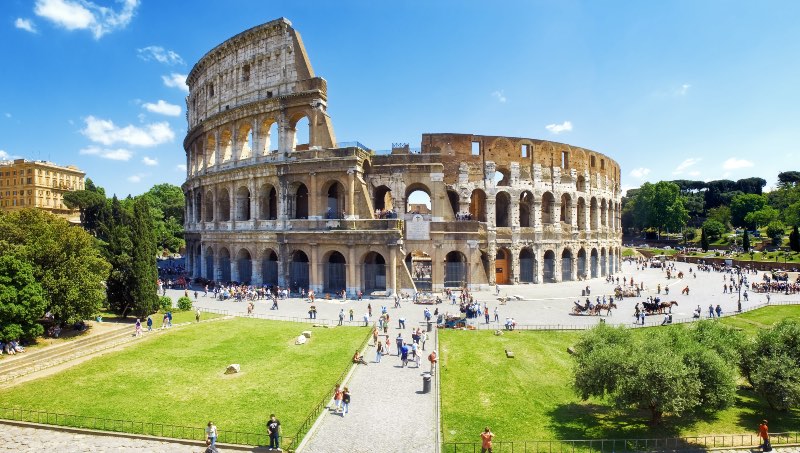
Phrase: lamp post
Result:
[739,276]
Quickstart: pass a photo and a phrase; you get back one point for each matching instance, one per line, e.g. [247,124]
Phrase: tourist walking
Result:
[337,398]
[138,331]
[486,440]
[345,401]
[378,351]
[197,315]
[399,341]
[433,358]
[763,433]
[211,435]
[341,316]
[149,324]
[274,431]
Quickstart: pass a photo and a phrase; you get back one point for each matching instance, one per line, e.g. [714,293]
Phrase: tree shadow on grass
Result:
[755,408]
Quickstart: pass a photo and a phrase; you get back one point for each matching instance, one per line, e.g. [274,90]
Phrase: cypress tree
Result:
[794,239]
[704,240]
[144,274]
[118,249]
[746,241]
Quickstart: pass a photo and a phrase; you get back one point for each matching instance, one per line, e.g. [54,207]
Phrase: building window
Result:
[476,148]
[593,164]
[602,164]
[564,159]
[30,180]
[525,150]
[211,90]
[246,73]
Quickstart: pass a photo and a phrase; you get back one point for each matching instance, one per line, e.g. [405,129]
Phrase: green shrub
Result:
[184,303]
[165,303]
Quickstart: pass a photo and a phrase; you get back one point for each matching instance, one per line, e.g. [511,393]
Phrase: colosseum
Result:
[461,210]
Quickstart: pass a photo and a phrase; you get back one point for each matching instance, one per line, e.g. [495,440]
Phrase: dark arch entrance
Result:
[269,268]
[566,266]
[594,263]
[298,271]
[581,264]
[244,266]
[502,267]
[210,264]
[527,266]
[549,271]
[420,266]
[335,273]
[455,270]
[374,272]
[225,265]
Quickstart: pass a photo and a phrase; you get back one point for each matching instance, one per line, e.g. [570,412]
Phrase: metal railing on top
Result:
[134,427]
[691,443]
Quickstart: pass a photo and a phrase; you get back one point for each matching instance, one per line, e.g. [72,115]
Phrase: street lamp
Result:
[739,275]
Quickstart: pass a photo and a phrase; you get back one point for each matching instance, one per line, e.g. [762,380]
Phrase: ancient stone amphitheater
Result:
[460,210]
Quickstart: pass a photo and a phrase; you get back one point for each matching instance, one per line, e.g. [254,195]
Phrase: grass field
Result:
[177,378]
[530,396]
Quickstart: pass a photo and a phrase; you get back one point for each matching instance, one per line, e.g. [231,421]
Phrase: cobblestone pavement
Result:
[388,413]
[545,304]
[27,439]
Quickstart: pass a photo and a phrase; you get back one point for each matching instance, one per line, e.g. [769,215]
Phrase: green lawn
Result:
[753,321]
[177,378]
[529,397]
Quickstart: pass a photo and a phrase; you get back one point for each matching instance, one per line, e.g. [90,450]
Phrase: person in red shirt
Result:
[486,440]
[763,433]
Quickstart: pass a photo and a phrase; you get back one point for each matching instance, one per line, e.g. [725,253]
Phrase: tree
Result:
[775,231]
[660,206]
[167,208]
[751,185]
[118,250]
[90,204]
[704,240]
[794,240]
[762,217]
[22,301]
[771,363]
[741,205]
[746,241]
[66,261]
[721,214]
[789,178]
[144,275]
[713,230]
[676,370]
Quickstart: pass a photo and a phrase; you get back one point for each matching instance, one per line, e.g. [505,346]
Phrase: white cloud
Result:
[175,80]
[735,163]
[694,174]
[500,95]
[85,15]
[106,153]
[135,178]
[25,24]
[682,90]
[181,167]
[685,165]
[640,173]
[163,107]
[107,133]
[160,55]
[4,155]
[566,126]
[149,161]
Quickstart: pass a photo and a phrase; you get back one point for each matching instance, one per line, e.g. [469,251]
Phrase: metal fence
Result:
[134,427]
[691,443]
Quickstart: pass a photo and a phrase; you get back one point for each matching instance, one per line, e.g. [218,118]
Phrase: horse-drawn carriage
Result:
[658,307]
[593,310]
[621,293]
[452,322]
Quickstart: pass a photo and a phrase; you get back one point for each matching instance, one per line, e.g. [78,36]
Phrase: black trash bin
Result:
[430,326]
[426,382]
[583,292]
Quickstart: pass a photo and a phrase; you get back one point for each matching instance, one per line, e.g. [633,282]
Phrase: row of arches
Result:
[249,138]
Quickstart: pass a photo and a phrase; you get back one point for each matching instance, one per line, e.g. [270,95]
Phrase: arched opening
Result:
[211,148]
[582,263]
[199,157]
[581,214]
[452,197]
[594,263]
[418,199]
[298,271]
[486,264]
[198,261]
[267,202]
[611,260]
[298,202]
[209,207]
[603,213]
[593,214]
[335,272]
[383,200]
[548,205]
[245,141]
[270,136]
[224,205]
[269,268]
[243,203]
[198,211]
[549,271]
[525,209]
[477,205]
[566,266]
[503,209]
[420,267]
[374,272]
[580,185]
[527,270]
[226,146]
[455,270]
[334,200]
[244,266]
[501,177]
[299,134]
[224,265]
[603,263]
[502,267]
[210,264]
[566,209]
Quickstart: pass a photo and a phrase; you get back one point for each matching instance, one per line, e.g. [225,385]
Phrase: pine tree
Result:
[794,239]
[118,251]
[704,241]
[144,274]
[746,241]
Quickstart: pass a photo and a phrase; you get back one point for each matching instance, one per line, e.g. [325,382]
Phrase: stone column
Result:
[515,263]
[313,197]
[514,212]
[537,214]
[574,267]
[353,277]
[214,206]
[203,270]
[315,280]
[492,252]
[538,265]
[437,268]
[217,267]
[216,150]
[555,215]
[393,268]
[351,194]
[234,268]
[257,148]
[255,277]
[254,201]
[232,205]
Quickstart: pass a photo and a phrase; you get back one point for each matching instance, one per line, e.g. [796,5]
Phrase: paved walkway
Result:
[388,413]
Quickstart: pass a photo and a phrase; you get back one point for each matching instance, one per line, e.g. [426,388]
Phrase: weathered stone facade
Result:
[263,209]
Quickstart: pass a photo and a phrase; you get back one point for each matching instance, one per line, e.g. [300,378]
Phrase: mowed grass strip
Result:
[530,396]
[178,378]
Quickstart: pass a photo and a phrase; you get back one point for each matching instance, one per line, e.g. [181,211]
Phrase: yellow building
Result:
[39,184]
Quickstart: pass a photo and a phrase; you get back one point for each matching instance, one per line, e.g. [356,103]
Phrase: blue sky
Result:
[673,89]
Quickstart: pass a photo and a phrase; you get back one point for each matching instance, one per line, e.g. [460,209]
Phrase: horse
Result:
[607,307]
[666,305]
